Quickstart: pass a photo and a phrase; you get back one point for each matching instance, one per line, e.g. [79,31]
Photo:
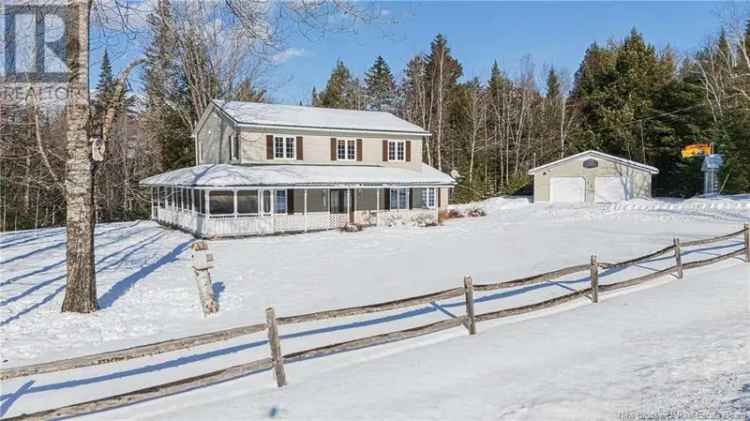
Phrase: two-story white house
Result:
[264,169]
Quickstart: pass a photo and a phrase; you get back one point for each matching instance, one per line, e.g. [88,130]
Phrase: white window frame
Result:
[346,150]
[396,148]
[399,193]
[275,199]
[288,144]
[429,197]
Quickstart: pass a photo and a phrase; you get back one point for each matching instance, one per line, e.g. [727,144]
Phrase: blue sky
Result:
[478,33]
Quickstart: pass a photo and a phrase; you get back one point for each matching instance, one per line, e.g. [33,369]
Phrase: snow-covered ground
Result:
[673,345]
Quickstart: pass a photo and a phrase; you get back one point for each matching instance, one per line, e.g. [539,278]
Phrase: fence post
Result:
[678,257]
[273,341]
[469,293]
[594,279]
[747,243]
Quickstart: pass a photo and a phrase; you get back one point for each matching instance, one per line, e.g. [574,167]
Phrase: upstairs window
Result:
[284,148]
[396,150]
[346,150]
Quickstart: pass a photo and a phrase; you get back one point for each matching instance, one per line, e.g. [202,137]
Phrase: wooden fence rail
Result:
[372,308]
[636,260]
[277,360]
[534,279]
[714,239]
[130,353]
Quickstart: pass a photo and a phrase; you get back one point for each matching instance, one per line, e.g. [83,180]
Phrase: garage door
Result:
[567,189]
[612,189]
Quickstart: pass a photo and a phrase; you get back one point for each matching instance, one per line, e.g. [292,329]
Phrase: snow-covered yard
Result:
[672,345]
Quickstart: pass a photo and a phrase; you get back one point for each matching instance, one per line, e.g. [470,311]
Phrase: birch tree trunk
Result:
[80,291]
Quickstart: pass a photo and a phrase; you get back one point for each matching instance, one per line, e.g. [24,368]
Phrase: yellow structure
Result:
[696,149]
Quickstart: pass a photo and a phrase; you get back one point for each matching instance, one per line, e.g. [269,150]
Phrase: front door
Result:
[265,216]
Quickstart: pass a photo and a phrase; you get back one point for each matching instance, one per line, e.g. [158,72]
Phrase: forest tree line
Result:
[626,98]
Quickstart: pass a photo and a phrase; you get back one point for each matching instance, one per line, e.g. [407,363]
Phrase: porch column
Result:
[235,203]
[329,208]
[207,198]
[305,209]
[152,203]
[377,206]
[348,204]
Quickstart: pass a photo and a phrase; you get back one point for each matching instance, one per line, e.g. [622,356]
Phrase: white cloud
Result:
[288,54]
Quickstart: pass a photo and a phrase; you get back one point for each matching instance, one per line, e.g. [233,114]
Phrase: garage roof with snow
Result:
[226,175]
[292,116]
[600,155]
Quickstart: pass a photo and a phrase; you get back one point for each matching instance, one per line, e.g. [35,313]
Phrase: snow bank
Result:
[494,204]
[702,203]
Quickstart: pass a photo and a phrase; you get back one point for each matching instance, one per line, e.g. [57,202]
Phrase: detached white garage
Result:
[592,176]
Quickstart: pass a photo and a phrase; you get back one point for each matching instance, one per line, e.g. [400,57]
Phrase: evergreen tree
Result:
[442,74]
[623,94]
[553,85]
[338,92]
[168,104]
[380,87]
[104,93]
[245,91]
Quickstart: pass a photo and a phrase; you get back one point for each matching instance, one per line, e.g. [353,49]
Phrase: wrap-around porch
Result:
[243,211]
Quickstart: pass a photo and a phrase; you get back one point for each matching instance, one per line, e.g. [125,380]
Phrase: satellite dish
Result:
[455,174]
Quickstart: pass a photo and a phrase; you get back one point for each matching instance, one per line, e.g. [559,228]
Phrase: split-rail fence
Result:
[275,362]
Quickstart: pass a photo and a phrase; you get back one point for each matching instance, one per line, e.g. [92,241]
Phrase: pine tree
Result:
[168,103]
[380,87]
[338,91]
[245,91]
[553,86]
[443,72]
[104,93]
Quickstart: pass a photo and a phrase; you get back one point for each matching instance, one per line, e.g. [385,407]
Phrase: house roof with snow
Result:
[261,115]
[226,175]
[600,155]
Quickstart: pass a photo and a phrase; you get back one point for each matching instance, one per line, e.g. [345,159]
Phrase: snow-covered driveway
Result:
[147,294]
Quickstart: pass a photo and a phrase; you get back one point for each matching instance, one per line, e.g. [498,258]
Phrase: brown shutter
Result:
[387,197]
[359,149]
[300,156]
[290,201]
[439,198]
[269,146]
[385,150]
[408,150]
[333,149]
